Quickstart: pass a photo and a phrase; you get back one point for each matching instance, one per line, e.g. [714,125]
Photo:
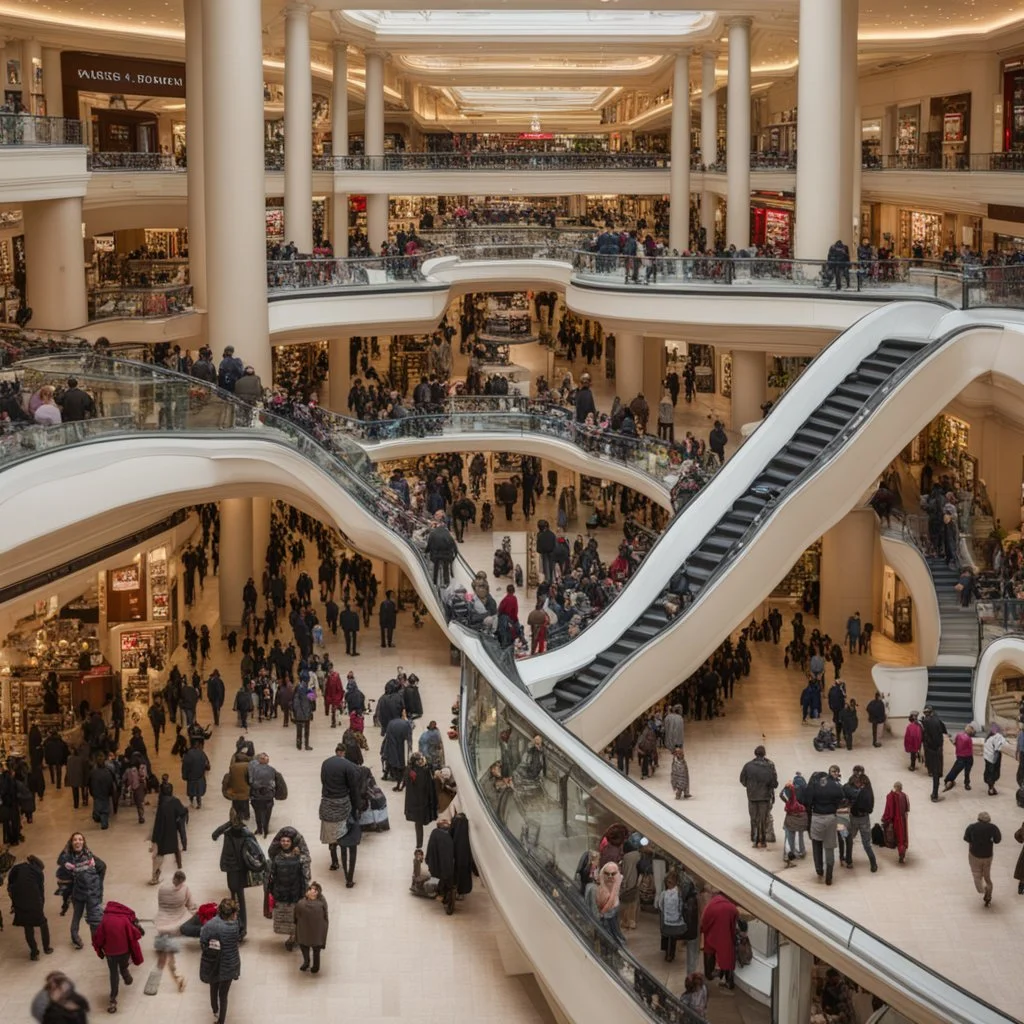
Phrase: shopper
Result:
[760,780]
[672,910]
[992,753]
[981,836]
[933,731]
[116,940]
[26,886]
[169,834]
[862,803]
[302,715]
[81,874]
[311,923]
[824,795]
[236,856]
[603,900]
[286,880]
[341,795]
[175,906]
[194,766]
[895,820]
[963,746]
[221,961]
[719,926]
[912,738]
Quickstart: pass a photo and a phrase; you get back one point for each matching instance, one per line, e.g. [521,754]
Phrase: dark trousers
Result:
[219,998]
[56,774]
[508,511]
[622,762]
[80,793]
[419,836]
[236,886]
[875,726]
[301,734]
[243,719]
[444,567]
[30,936]
[351,637]
[262,809]
[961,764]
[316,956]
[667,432]
[118,968]
[709,970]
[215,708]
[348,861]
[387,636]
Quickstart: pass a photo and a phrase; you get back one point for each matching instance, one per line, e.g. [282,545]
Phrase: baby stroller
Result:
[486,516]
[826,739]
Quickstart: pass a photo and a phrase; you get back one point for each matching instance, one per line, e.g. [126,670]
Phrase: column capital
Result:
[297,9]
[709,53]
[741,21]
[339,44]
[375,51]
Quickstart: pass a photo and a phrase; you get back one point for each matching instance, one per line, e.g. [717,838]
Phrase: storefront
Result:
[275,220]
[109,93]
[1013,105]
[934,231]
[897,608]
[778,137]
[871,142]
[24,85]
[301,368]
[771,220]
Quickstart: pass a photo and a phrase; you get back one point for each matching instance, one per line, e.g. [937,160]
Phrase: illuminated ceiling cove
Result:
[433,64]
[509,100]
[499,24]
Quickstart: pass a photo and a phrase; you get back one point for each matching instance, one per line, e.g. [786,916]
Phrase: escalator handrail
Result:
[761,892]
[818,465]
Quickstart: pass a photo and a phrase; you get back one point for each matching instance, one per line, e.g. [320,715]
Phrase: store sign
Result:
[126,578]
[538,136]
[100,72]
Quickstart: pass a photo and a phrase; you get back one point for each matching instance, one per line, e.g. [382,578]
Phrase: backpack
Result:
[1020,797]
[252,854]
[227,377]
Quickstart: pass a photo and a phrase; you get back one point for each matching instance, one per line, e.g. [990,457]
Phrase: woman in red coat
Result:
[718,925]
[334,695]
[117,940]
[897,807]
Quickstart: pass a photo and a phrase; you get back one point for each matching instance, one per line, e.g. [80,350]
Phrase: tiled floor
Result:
[927,908]
[389,956]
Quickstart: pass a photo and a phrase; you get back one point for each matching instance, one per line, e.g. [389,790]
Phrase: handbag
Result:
[877,835]
[209,962]
[280,787]
[890,836]
[744,951]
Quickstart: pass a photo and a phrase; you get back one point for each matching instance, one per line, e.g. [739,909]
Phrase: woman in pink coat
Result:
[912,740]
[718,925]
[897,810]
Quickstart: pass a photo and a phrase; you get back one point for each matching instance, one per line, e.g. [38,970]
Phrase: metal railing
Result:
[135,162]
[326,272]
[30,130]
[110,302]
[487,160]
[1011,161]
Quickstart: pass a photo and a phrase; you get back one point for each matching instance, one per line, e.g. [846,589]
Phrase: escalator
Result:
[828,424]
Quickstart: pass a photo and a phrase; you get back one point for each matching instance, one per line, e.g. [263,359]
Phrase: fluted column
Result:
[820,209]
[339,146]
[298,129]
[708,140]
[236,244]
[373,145]
[53,83]
[194,152]
[679,176]
[737,154]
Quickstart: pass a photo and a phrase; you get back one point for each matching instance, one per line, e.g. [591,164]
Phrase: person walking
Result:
[992,753]
[26,886]
[168,835]
[235,784]
[82,873]
[175,906]
[243,705]
[349,622]
[876,718]
[824,794]
[286,881]
[234,862]
[341,795]
[933,729]
[963,746]
[913,737]
[796,822]
[311,923]
[302,714]
[441,550]
[215,694]
[420,795]
[680,774]
[602,899]
[194,766]
[397,741]
[116,940]
[760,780]
[848,722]
[671,909]
[387,616]
[895,820]
[265,785]
[862,803]
[981,837]
[334,696]
[719,926]
[221,964]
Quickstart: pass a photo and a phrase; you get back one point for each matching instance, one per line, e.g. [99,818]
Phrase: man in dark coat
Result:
[397,742]
[584,401]
[465,866]
[26,885]
[440,857]
[350,628]
[55,753]
[388,617]
[420,795]
[102,786]
[215,694]
[441,550]
[194,766]
[933,729]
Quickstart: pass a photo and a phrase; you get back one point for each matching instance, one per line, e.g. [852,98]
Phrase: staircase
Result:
[951,680]
[827,426]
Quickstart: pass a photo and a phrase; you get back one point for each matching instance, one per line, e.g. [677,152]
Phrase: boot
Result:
[828,874]
[155,880]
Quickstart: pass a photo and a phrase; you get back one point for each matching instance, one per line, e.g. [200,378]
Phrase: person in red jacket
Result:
[334,695]
[718,925]
[117,940]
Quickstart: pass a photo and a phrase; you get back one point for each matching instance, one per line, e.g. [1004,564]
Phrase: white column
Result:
[339,147]
[708,140]
[848,571]
[235,187]
[796,967]
[679,176]
[819,170]
[55,257]
[340,378]
[298,130]
[373,145]
[849,121]
[53,84]
[629,366]
[30,48]
[708,110]
[653,377]
[260,537]
[194,150]
[737,213]
[749,386]
[235,546]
